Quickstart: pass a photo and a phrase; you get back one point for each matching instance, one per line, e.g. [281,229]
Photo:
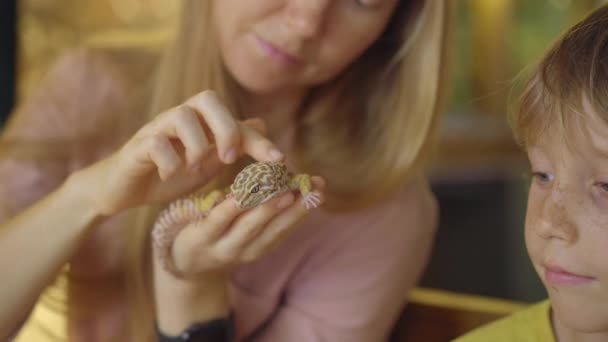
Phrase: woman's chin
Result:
[261,85]
[259,80]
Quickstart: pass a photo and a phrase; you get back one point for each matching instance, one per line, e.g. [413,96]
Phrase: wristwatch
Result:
[217,330]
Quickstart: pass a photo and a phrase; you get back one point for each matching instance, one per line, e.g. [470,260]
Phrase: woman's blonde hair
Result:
[573,70]
[365,132]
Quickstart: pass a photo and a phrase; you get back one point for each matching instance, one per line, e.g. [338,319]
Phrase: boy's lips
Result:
[558,275]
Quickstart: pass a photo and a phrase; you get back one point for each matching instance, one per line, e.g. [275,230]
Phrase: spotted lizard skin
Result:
[256,184]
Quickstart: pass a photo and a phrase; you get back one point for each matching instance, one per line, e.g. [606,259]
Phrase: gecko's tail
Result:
[175,217]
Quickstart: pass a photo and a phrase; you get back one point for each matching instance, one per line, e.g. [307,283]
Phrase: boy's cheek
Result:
[532,229]
[534,247]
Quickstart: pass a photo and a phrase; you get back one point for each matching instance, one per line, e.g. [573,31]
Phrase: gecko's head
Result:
[259,182]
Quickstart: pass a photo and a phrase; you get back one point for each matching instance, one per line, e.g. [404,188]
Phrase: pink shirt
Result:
[339,277]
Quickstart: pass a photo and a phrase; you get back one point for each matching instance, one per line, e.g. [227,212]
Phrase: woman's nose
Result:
[307,17]
[555,220]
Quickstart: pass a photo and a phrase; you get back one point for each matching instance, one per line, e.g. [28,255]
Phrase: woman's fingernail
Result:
[285,201]
[275,154]
[230,156]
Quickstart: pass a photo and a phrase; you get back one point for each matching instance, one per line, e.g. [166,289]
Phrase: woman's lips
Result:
[559,276]
[276,53]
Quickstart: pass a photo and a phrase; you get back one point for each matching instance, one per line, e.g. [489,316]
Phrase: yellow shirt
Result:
[47,322]
[529,325]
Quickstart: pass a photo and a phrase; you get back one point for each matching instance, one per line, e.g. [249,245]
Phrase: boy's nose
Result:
[307,17]
[554,221]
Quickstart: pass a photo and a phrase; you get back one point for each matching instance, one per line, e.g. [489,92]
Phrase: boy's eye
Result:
[603,187]
[542,177]
[366,3]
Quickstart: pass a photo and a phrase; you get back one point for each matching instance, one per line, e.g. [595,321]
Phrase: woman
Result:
[348,90]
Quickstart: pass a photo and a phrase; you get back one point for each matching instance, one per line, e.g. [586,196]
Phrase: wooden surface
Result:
[440,316]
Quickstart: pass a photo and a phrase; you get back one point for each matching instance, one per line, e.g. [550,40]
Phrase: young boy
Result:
[562,123]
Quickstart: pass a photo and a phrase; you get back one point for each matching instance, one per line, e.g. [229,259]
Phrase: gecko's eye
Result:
[256,189]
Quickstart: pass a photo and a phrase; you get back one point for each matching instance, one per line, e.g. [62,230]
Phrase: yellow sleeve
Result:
[532,324]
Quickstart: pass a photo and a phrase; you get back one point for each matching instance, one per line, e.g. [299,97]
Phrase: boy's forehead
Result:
[594,127]
[597,137]
[580,132]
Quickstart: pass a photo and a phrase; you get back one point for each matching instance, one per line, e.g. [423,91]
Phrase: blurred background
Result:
[479,175]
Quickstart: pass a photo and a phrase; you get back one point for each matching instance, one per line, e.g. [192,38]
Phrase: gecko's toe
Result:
[311,200]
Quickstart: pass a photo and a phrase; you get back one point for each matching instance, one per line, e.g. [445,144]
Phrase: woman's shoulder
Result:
[83,108]
[530,324]
[127,65]
[131,65]
[98,68]
[82,89]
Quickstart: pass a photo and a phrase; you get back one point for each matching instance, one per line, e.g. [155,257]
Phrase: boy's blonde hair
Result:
[364,131]
[572,72]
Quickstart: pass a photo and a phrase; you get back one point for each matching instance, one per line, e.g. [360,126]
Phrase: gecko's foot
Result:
[311,200]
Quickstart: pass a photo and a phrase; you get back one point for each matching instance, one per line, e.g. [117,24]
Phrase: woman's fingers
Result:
[186,179]
[220,121]
[196,239]
[232,137]
[190,132]
[220,237]
[275,231]
[281,225]
[256,123]
[248,226]
[318,183]
[257,146]
[203,121]
[159,151]
[229,235]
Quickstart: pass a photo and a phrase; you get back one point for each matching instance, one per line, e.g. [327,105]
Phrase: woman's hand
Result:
[205,249]
[229,236]
[182,148]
